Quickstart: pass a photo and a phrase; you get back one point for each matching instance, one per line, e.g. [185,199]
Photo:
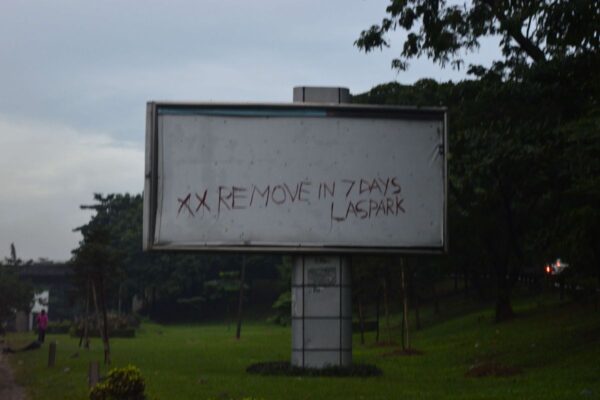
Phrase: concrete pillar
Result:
[321,286]
[321,311]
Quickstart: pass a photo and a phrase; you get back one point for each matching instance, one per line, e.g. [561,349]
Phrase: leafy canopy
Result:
[14,294]
[529,31]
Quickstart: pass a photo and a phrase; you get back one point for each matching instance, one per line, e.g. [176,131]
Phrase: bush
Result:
[121,384]
[122,326]
[58,327]
[282,307]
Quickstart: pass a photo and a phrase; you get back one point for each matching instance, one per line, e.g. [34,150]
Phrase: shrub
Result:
[120,384]
[122,326]
[59,327]
[282,307]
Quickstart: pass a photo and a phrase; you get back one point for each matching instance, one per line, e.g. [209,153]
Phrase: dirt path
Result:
[9,390]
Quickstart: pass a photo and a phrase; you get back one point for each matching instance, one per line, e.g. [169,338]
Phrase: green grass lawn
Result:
[553,348]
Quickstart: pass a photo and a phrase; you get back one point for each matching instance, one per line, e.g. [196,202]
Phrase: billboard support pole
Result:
[321,285]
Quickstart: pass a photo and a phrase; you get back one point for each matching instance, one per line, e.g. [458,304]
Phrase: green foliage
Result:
[172,286]
[555,344]
[121,384]
[225,286]
[523,167]
[58,327]
[118,326]
[443,31]
[96,253]
[15,295]
[283,304]
[282,308]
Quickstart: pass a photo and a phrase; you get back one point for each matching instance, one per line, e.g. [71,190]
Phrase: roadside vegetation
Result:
[550,351]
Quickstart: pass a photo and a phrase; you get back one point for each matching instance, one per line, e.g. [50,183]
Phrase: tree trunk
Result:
[377,307]
[85,335]
[436,300]
[105,338]
[416,307]
[405,337]
[455,279]
[361,320]
[466,280]
[102,325]
[477,285]
[96,308]
[238,331]
[504,309]
[153,307]
[387,311]
[120,298]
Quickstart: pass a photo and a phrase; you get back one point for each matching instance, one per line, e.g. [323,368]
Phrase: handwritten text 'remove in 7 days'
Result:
[348,198]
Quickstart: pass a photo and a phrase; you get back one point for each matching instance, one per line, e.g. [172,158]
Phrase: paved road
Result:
[9,390]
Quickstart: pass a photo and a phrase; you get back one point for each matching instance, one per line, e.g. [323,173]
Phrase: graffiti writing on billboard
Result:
[345,199]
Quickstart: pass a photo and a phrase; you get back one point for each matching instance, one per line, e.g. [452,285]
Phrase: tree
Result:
[530,31]
[225,287]
[282,306]
[96,261]
[523,174]
[13,260]
[170,284]
[519,114]
[578,226]
[15,295]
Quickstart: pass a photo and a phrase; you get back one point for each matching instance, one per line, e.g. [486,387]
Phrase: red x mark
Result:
[202,201]
[185,203]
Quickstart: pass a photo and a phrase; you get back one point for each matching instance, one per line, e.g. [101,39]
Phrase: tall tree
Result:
[529,31]
[523,173]
[511,120]
[97,261]
[13,255]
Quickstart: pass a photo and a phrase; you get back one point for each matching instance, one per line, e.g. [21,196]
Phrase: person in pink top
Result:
[42,323]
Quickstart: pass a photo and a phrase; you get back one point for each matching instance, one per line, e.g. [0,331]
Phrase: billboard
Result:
[295,178]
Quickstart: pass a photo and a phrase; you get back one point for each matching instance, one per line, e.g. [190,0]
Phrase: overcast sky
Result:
[75,77]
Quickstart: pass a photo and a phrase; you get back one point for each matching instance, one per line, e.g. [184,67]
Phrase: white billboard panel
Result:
[295,178]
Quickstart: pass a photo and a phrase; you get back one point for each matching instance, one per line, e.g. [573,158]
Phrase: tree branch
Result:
[533,51]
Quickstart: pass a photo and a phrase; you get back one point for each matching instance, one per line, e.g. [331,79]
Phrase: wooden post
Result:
[93,373]
[52,354]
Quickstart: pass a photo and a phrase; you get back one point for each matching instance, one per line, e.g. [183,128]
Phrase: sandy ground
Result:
[9,390]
